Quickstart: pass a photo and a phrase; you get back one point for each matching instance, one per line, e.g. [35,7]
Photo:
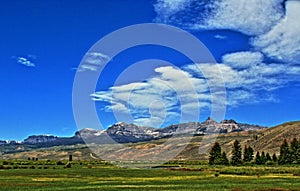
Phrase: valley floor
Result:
[97,175]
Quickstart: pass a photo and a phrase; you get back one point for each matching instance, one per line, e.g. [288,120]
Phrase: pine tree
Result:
[251,153]
[248,154]
[284,157]
[294,151]
[268,157]
[236,158]
[245,159]
[215,154]
[274,158]
[258,158]
[263,158]
[224,159]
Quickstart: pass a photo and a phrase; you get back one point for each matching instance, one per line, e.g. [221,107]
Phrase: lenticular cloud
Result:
[252,18]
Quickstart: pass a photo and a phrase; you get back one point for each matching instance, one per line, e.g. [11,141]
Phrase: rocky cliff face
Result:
[35,139]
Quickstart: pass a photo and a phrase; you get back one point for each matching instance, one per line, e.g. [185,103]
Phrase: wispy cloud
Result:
[182,91]
[156,101]
[26,61]
[249,17]
[221,37]
[242,60]
[272,25]
[93,61]
[283,41]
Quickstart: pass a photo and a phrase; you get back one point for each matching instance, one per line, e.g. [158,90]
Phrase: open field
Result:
[97,175]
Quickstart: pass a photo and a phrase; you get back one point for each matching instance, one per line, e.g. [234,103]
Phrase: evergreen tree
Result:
[258,158]
[251,153]
[284,157]
[236,158]
[263,158]
[294,151]
[248,154]
[224,159]
[268,157]
[215,154]
[274,158]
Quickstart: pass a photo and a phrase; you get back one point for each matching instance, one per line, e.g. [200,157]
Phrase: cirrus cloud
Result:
[93,61]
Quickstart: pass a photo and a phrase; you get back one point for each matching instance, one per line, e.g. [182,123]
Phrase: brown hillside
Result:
[270,139]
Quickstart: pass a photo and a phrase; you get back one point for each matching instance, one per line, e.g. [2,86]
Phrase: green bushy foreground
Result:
[98,175]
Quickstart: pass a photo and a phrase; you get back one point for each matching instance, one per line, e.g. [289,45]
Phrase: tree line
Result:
[289,154]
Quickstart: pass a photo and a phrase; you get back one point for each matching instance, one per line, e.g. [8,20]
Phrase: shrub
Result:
[5,163]
[270,163]
[59,163]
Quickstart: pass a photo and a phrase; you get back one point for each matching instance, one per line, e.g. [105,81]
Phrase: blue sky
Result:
[256,46]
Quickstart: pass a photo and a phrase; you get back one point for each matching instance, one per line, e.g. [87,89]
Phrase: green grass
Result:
[97,175]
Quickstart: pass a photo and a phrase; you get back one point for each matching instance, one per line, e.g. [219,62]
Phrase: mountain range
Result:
[130,133]
[132,136]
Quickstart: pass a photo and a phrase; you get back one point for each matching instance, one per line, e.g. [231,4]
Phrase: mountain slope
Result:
[270,139]
[263,139]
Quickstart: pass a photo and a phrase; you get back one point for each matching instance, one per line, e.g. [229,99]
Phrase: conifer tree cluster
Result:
[216,157]
[289,154]
[264,158]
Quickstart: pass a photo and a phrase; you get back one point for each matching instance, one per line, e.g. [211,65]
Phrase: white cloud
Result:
[241,60]
[221,37]
[25,61]
[157,100]
[93,61]
[273,24]
[246,76]
[176,92]
[249,17]
[283,41]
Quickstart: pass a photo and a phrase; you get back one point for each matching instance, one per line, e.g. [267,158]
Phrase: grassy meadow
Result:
[98,175]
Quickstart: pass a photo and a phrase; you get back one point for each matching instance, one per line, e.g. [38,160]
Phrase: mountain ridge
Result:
[122,132]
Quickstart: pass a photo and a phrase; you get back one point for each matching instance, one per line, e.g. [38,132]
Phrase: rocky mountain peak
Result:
[210,121]
[230,121]
[88,132]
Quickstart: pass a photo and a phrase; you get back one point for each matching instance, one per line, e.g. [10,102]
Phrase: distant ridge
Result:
[122,132]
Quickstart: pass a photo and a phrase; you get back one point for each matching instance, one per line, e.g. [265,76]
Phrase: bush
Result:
[270,163]
[5,163]
[59,163]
